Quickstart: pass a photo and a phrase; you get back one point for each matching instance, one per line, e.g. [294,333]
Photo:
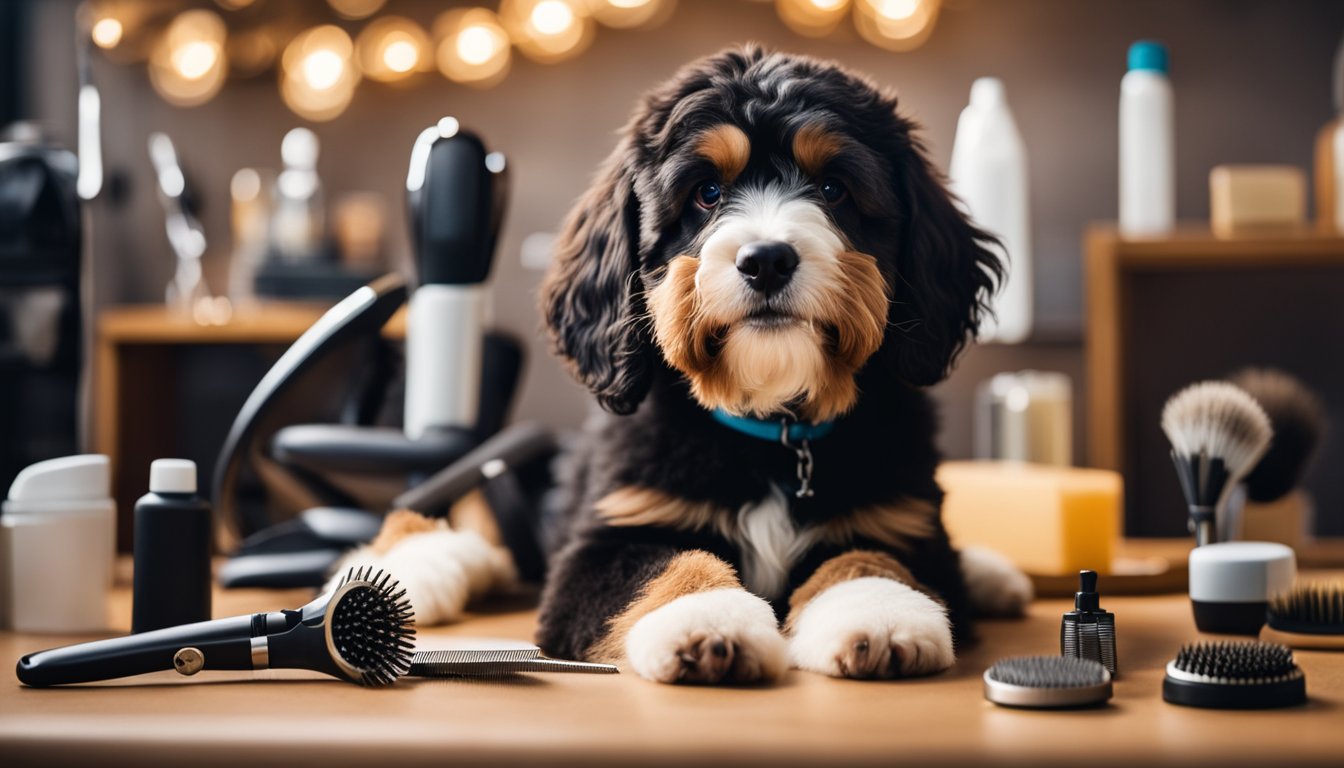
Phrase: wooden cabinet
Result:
[1162,313]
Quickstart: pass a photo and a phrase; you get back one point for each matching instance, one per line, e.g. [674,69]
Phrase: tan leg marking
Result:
[687,573]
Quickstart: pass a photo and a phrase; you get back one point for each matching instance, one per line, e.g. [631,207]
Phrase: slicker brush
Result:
[1217,434]
[1240,675]
[360,631]
[1047,682]
[1308,616]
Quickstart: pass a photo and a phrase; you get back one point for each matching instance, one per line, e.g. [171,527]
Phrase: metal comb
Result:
[466,663]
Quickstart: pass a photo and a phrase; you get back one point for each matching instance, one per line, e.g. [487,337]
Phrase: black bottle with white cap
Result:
[172,550]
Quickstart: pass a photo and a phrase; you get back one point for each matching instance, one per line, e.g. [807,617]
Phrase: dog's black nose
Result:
[767,265]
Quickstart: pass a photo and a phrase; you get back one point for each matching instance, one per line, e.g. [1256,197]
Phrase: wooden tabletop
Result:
[290,718]
[269,322]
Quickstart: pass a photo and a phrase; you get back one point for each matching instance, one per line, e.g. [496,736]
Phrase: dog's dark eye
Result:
[833,192]
[708,195]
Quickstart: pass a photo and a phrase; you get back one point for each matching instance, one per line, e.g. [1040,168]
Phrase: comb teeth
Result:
[372,626]
[1236,662]
[1049,672]
[1316,605]
[476,657]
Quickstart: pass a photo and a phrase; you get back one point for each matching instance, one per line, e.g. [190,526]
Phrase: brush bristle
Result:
[1218,420]
[1049,672]
[1320,605]
[372,626]
[1239,661]
[1298,420]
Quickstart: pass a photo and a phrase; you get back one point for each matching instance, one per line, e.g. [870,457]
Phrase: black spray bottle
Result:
[1088,632]
[172,550]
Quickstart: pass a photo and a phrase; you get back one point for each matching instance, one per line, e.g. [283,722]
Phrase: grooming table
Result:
[296,718]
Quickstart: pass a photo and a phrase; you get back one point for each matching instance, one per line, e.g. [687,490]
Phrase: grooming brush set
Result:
[1241,675]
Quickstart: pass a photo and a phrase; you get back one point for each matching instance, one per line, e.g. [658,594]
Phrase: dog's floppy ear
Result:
[592,299]
[945,273]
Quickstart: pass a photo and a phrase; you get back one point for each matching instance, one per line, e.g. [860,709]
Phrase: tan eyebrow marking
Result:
[727,147]
[813,147]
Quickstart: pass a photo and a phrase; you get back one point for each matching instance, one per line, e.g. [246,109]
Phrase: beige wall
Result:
[1251,80]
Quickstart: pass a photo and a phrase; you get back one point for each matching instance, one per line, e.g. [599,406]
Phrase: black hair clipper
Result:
[1088,632]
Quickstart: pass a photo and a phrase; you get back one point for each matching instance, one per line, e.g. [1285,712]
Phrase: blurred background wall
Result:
[1252,83]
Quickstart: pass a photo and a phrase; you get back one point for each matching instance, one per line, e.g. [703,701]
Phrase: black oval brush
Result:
[1309,616]
[361,631]
[1246,675]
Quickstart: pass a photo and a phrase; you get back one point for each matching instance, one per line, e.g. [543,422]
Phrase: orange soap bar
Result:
[1049,520]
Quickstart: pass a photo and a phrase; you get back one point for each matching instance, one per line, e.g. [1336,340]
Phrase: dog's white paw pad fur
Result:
[719,636]
[442,571]
[996,587]
[872,627]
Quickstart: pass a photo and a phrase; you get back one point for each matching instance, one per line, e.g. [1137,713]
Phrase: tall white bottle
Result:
[989,175]
[1147,144]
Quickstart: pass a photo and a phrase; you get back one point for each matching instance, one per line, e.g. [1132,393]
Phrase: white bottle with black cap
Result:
[172,550]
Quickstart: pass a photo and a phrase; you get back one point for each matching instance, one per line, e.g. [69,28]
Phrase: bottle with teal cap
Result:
[1147,144]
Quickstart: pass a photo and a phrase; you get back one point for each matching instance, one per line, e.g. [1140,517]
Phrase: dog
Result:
[763,276]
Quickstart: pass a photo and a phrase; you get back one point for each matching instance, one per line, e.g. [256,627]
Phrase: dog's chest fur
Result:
[770,543]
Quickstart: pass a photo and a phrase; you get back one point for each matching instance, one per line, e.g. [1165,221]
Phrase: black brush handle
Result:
[224,644]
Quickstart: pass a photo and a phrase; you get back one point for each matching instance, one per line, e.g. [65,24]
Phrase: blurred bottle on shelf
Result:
[1147,144]
[298,222]
[252,193]
[989,175]
[1330,159]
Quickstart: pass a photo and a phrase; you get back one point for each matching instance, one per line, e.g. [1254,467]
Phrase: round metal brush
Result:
[1047,682]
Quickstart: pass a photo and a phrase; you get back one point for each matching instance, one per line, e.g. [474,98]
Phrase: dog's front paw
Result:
[872,627]
[719,636]
[996,586]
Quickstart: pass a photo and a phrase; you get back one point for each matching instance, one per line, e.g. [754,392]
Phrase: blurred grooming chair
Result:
[460,381]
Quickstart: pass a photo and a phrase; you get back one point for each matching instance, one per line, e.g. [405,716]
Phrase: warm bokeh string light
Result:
[106,32]
[630,14]
[318,73]
[392,48]
[355,9]
[812,18]
[321,67]
[472,46]
[548,31]
[896,25]
[187,66]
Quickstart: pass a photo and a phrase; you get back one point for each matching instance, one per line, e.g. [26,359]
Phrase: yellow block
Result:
[1048,520]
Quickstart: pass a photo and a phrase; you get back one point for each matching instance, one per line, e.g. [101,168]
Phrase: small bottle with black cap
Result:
[1088,632]
[172,550]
